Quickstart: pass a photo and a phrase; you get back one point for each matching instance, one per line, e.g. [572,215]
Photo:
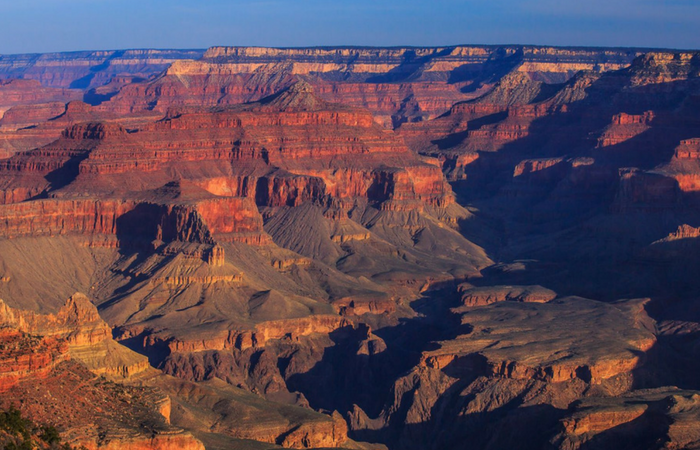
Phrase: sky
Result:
[36,26]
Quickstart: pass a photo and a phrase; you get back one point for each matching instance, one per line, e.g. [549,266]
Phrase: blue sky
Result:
[63,25]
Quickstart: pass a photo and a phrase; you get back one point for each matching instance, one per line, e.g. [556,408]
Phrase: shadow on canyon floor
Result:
[510,426]
[344,378]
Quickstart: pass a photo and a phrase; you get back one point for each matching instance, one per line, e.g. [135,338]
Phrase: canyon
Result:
[366,248]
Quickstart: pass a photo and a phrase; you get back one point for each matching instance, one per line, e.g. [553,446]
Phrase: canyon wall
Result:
[86,69]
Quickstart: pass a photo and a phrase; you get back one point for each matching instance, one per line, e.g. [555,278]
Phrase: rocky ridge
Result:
[396,84]
[290,257]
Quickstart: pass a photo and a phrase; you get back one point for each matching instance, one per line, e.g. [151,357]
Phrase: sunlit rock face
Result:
[398,85]
[412,248]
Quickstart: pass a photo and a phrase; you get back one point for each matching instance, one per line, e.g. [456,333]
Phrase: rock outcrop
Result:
[78,329]
[641,418]
[329,245]
[397,84]
[104,415]
[25,357]
[83,70]
[480,296]
[517,367]
[46,359]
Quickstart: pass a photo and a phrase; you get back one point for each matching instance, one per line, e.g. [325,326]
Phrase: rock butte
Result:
[366,248]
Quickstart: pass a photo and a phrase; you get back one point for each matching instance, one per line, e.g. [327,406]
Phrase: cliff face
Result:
[27,357]
[83,70]
[428,62]
[19,92]
[196,215]
[512,369]
[46,358]
[648,416]
[250,222]
[397,84]
[604,130]
[290,149]
[104,416]
[77,329]
[24,104]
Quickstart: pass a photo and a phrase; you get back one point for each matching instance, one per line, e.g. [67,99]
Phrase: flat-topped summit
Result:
[664,67]
[94,130]
[351,53]
[435,242]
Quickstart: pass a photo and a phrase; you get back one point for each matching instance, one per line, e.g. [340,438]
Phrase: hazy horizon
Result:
[283,47]
[41,26]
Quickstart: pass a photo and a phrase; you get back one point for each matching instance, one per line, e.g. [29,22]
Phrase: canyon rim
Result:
[361,247]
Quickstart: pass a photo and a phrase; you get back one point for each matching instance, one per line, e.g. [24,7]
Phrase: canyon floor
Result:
[468,247]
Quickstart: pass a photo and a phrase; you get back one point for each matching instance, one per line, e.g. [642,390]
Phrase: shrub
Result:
[13,422]
[50,435]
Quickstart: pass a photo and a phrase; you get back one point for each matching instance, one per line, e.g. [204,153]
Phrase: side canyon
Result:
[478,247]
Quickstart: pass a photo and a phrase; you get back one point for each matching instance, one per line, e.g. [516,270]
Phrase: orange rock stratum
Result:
[489,247]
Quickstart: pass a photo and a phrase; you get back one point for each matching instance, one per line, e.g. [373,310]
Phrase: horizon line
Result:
[346,46]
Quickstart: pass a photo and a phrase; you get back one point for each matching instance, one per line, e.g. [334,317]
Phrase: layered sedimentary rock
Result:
[397,84]
[291,257]
[26,357]
[520,104]
[192,222]
[513,368]
[574,357]
[480,296]
[33,96]
[29,127]
[25,104]
[104,416]
[683,168]
[89,69]
[641,419]
[241,415]
[47,358]
[36,366]
[590,180]
[273,145]
[79,329]
[412,60]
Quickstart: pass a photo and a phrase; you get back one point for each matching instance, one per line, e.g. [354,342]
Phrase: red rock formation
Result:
[77,323]
[490,122]
[23,105]
[662,67]
[255,242]
[295,139]
[684,232]
[480,296]
[51,120]
[228,75]
[639,414]
[513,363]
[82,70]
[78,328]
[357,307]
[529,166]
[688,149]
[683,167]
[104,415]
[24,357]
[29,92]
[257,337]
[597,421]
[624,127]
[588,365]
[27,115]
[332,435]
